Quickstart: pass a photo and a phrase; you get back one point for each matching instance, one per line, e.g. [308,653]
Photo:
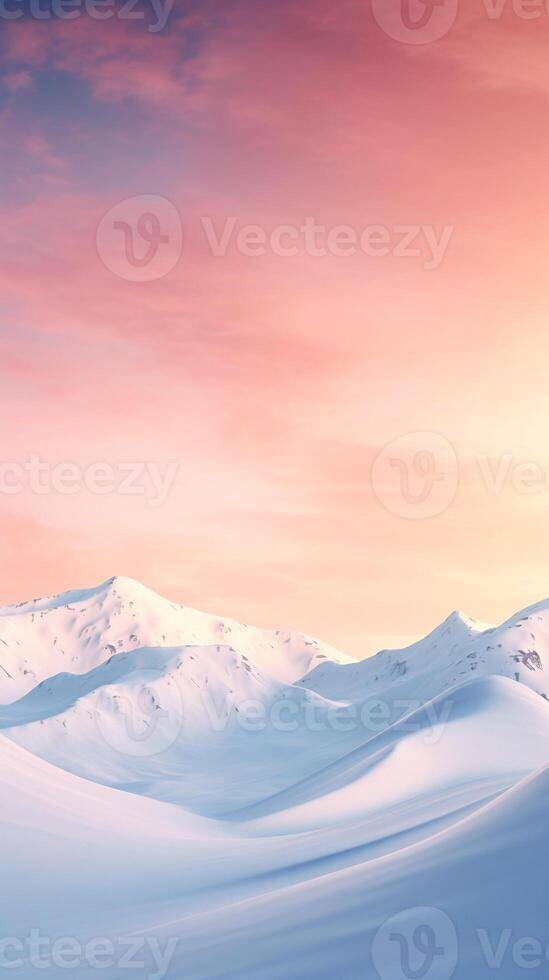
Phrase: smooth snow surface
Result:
[253,804]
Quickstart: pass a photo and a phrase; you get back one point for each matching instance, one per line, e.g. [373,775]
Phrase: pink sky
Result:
[273,381]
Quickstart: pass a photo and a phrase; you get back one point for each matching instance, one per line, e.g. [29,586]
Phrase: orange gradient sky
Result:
[274,381]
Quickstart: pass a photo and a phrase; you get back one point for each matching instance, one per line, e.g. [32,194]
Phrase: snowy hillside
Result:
[254,804]
[77,631]
[459,649]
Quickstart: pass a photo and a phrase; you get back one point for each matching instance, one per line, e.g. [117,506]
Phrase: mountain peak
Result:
[126,586]
[461,619]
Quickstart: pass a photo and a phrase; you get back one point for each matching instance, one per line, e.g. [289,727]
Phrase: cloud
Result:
[505,52]
[17,81]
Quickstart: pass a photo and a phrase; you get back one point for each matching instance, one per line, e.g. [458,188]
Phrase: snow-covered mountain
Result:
[459,649]
[192,780]
[79,630]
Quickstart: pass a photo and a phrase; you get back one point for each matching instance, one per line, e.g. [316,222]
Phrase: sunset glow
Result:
[378,210]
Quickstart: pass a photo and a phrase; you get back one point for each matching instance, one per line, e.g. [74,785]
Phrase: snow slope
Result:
[239,806]
[79,630]
[457,649]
